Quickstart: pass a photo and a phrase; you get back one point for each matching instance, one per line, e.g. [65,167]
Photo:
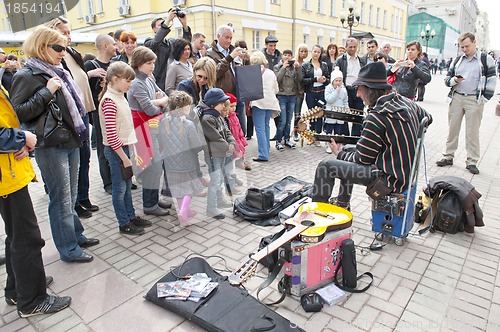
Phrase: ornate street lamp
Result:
[352,17]
[426,35]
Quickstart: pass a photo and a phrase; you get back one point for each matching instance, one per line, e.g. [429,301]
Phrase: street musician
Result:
[386,148]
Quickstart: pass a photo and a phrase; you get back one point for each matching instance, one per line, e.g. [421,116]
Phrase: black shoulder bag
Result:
[349,269]
[54,134]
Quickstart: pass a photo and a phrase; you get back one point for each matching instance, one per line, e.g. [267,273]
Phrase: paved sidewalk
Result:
[432,283]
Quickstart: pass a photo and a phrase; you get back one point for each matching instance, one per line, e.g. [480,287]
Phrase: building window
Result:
[333,5]
[123,2]
[275,2]
[370,16]
[306,39]
[362,12]
[80,11]
[385,19]
[256,37]
[332,40]
[307,4]
[392,22]
[90,7]
[377,22]
[321,6]
[319,40]
[100,7]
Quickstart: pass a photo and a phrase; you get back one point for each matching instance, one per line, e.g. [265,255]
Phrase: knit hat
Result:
[336,73]
[215,96]
[232,98]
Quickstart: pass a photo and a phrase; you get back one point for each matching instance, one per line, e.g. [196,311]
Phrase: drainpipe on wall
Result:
[214,27]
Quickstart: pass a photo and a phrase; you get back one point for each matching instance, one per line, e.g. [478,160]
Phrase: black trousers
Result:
[356,103]
[349,174]
[23,251]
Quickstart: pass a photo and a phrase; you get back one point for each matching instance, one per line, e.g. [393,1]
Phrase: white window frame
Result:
[90,7]
[370,16]
[306,38]
[256,39]
[333,8]
[362,18]
[321,6]
[275,2]
[319,40]
[384,25]
[307,4]
[377,20]
[100,7]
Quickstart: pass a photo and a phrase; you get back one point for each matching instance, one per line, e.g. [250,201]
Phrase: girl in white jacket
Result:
[336,95]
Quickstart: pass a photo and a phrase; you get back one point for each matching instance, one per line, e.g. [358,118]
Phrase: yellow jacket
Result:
[14,175]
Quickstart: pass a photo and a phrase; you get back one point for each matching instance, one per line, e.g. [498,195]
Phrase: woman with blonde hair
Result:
[265,108]
[43,86]
[204,77]
[301,56]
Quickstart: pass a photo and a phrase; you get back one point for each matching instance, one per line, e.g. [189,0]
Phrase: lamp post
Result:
[426,35]
[352,17]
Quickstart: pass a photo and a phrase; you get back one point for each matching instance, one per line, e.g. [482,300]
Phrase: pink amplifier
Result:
[312,265]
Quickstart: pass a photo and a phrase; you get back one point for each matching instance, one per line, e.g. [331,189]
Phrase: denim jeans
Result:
[261,120]
[59,168]
[312,100]
[287,106]
[216,165]
[83,174]
[297,111]
[103,162]
[229,171]
[349,174]
[122,194]
[23,251]
[151,178]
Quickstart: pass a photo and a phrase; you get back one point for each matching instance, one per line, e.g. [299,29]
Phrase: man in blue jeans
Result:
[289,75]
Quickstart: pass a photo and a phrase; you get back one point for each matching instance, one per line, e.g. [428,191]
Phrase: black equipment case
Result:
[227,309]
[286,192]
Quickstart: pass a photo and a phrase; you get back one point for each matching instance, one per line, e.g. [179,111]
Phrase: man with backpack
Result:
[472,79]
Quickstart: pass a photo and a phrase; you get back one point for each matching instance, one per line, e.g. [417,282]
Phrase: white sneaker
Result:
[328,149]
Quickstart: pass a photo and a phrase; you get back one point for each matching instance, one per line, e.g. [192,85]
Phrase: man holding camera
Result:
[161,46]
[289,75]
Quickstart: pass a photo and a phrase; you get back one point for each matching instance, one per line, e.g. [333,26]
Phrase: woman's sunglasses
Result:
[201,77]
[58,48]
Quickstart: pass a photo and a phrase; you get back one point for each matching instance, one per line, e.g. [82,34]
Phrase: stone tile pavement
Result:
[433,282]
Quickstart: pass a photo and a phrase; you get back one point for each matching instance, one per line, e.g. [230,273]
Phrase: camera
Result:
[291,62]
[179,12]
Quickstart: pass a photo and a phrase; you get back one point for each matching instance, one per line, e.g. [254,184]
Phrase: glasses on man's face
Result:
[201,77]
[58,48]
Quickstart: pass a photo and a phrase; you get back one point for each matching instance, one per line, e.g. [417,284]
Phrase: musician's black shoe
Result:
[344,205]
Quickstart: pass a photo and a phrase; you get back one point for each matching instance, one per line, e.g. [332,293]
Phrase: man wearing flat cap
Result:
[386,147]
[272,54]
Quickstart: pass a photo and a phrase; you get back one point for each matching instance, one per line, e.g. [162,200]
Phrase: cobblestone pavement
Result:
[433,282]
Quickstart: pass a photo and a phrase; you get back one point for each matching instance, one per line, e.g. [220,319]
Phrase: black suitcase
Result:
[286,192]
[227,309]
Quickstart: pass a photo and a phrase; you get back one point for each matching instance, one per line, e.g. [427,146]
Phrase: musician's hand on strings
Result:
[336,148]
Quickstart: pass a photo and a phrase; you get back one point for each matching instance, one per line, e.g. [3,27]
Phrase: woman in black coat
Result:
[315,77]
[411,71]
[35,87]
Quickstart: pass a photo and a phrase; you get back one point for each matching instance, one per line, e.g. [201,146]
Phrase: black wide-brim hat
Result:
[373,76]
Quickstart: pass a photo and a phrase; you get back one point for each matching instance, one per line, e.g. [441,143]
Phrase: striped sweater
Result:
[389,139]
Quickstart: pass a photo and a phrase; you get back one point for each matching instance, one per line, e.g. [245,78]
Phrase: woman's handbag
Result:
[54,133]
[261,199]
